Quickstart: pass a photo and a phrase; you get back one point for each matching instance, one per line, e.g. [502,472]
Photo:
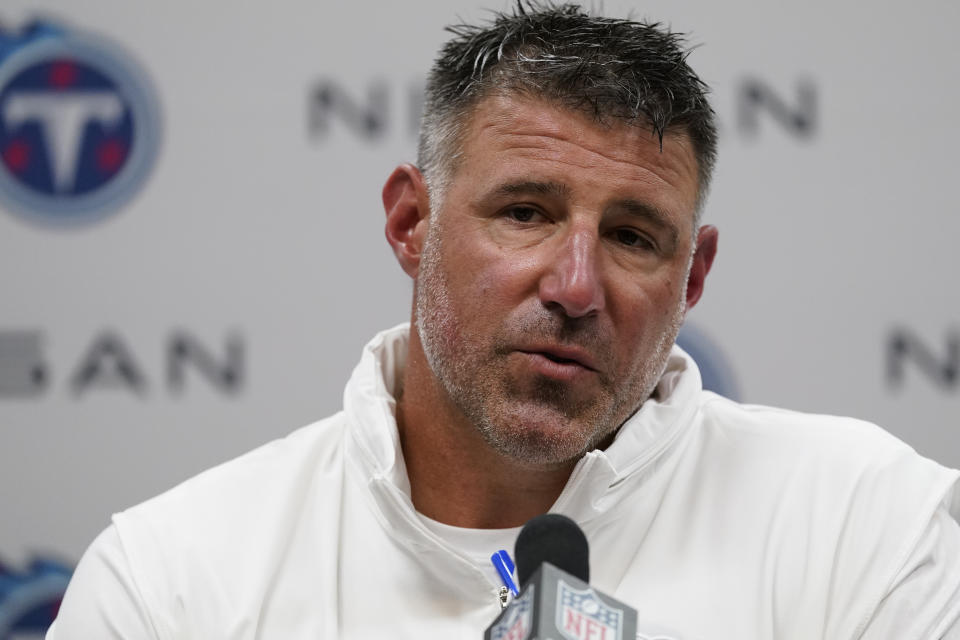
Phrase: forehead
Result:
[511,137]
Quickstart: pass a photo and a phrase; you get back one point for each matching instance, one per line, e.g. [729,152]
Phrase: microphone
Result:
[552,538]
[556,601]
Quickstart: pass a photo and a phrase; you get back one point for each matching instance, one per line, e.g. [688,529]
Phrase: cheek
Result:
[643,312]
[488,276]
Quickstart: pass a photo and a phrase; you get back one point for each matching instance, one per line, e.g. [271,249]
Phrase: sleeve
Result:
[102,599]
[924,598]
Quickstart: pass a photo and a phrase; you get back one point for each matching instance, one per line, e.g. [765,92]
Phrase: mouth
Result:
[563,356]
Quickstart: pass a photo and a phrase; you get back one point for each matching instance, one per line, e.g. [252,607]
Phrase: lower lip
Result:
[566,371]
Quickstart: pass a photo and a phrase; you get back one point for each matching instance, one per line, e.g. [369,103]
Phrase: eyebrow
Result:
[533,187]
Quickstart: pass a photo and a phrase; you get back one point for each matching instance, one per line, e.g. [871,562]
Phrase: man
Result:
[552,233]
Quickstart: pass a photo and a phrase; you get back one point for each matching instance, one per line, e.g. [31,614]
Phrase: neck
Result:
[455,477]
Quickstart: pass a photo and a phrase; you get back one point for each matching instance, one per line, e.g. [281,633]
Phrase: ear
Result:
[407,207]
[702,261]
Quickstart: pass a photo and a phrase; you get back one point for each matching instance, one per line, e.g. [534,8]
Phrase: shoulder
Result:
[846,466]
[253,479]
[846,497]
[849,444]
[224,527]
[178,564]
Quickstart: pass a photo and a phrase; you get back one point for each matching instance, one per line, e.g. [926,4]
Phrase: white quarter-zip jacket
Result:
[715,520]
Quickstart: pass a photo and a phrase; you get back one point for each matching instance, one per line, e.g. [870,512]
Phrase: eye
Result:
[522,214]
[631,238]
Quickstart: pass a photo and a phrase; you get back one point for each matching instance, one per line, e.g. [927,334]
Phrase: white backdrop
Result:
[254,242]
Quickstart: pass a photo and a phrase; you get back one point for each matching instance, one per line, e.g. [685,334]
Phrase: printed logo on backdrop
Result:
[715,369]
[109,363]
[29,600]
[79,125]
[762,107]
[583,616]
[934,363]
[23,373]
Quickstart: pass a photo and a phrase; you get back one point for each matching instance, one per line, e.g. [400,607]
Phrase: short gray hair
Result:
[605,67]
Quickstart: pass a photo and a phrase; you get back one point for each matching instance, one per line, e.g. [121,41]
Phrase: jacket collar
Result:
[369,402]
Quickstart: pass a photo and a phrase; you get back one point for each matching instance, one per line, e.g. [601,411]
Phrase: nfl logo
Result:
[516,624]
[583,616]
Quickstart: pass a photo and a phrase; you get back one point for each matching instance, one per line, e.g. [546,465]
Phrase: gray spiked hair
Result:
[607,68]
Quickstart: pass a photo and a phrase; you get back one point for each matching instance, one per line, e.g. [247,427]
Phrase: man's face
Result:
[552,282]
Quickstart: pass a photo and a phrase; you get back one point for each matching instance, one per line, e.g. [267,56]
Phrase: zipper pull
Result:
[504,596]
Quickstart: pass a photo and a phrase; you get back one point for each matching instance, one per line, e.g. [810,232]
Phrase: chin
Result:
[542,438]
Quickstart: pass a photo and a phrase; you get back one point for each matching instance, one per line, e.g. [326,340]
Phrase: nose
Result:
[572,280]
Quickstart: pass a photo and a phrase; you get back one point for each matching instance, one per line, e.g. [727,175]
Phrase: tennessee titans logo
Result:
[29,601]
[79,125]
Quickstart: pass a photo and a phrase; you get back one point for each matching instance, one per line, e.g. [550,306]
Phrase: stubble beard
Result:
[506,416]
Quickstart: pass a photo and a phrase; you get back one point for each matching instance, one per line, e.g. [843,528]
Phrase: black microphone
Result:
[556,601]
[552,538]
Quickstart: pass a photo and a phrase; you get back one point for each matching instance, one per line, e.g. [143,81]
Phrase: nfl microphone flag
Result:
[555,604]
